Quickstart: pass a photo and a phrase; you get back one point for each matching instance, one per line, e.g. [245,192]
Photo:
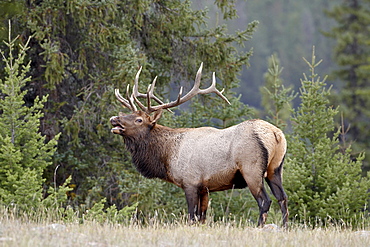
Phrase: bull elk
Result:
[203,160]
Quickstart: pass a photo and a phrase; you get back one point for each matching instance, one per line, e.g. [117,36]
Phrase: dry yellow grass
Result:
[15,232]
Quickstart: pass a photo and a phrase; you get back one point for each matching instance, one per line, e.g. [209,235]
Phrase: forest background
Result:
[80,51]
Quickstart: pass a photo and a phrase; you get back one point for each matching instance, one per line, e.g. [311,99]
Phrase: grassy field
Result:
[21,232]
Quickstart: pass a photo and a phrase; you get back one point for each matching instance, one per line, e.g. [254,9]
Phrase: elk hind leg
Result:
[202,206]
[258,191]
[274,181]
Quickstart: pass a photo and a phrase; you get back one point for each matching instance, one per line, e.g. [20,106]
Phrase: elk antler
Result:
[194,91]
[127,103]
[180,100]
[149,95]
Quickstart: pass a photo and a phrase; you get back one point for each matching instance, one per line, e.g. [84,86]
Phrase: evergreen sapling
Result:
[24,154]
[322,182]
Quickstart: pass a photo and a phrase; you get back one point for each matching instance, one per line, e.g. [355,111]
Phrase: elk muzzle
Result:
[117,127]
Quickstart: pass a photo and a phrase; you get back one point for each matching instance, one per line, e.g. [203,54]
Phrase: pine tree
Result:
[321,182]
[351,53]
[24,155]
[276,99]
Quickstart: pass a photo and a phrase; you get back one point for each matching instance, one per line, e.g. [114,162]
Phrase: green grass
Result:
[46,231]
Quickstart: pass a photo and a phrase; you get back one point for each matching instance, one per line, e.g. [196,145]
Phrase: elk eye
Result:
[139,120]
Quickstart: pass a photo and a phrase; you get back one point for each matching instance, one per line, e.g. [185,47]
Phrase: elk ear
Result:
[157,115]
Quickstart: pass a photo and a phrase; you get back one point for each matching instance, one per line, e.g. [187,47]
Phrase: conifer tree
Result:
[24,155]
[351,53]
[276,99]
[321,182]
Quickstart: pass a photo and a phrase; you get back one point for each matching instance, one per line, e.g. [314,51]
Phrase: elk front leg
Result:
[192,199]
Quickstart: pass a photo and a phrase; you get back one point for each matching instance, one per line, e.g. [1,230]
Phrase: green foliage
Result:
[227,7]
[111,215]
[321,181]
[238,205]
[152,195]
[24,152]
[276,99]
[9,10]
[57,197]
[351,53]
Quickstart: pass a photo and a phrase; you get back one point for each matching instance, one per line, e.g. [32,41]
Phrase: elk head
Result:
[137,123]
[141,121]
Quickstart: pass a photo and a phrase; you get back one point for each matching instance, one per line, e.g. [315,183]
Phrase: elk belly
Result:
[225,181]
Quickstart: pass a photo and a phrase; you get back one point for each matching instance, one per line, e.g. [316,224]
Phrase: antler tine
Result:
[133,107]
[194,91]
[213,89]
[136,94]
[151,91]
[124,101]
[198,76]
[179,96]
[148,91]
[149,95]
[136,85]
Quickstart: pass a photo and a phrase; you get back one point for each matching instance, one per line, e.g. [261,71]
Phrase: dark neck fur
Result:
[151,151]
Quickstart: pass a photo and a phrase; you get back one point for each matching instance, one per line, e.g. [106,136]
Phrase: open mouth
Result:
[117,127]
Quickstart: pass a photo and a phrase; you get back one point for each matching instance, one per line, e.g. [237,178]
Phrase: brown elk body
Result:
[204,160]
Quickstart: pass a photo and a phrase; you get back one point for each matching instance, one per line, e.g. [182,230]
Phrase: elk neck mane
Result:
[151,152]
